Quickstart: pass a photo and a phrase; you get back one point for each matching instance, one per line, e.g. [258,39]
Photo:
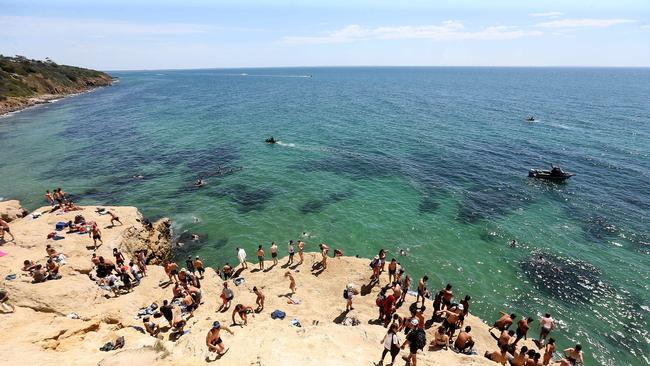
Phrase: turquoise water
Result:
[429,159]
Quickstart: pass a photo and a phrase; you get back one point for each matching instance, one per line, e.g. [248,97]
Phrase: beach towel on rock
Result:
[278,314]
[2,254]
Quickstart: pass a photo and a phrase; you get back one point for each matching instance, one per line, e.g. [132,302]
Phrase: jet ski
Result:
[555,174]
[270,140]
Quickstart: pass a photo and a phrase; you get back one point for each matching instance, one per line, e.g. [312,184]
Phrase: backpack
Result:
[372,263]
[345,293]
[380,300]
[420,338]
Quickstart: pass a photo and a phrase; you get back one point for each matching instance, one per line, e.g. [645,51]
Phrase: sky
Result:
[161,34]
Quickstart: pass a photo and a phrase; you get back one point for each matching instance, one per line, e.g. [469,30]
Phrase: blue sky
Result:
[118,34]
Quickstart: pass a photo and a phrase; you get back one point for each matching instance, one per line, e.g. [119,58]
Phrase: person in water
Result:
[572,356]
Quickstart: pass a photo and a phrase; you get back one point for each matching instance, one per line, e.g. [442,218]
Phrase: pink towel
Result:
[2,254]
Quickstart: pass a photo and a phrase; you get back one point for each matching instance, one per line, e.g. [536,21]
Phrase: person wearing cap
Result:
[198,265]
[213,339]
[411,341]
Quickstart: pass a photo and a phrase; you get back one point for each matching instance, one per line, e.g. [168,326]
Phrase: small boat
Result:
[555,174]
[270,140]
[530,119]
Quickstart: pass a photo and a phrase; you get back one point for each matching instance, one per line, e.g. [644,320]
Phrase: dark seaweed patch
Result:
[248,198]
[317,205]
[565,278]
[598,229]
[489,202]
[428,205]
[355,166]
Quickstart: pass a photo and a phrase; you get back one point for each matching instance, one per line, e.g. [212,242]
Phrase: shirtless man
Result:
[397,290]
[522,329]
[465,303]
[572,356]
[392,270]
[422,289]
[447,295]
[260,257]
[504,322]
[97,235]
[548,325]
[243,311]
[520,358]
[405,287]
[260,298]
[171,269]
[213,339]
[504,339]
[274,252]
[452,319]
[4,228]
[292,282]
[227,271]
[114,218]
[189,303]
[301,250]
[498,356]
[549,349]
[464,341]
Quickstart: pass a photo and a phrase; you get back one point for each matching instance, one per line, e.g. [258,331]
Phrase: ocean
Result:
[430,160]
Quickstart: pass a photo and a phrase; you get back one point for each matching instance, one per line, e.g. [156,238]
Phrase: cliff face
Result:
[25,82]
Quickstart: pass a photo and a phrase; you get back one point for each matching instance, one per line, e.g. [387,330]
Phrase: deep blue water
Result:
[429,159]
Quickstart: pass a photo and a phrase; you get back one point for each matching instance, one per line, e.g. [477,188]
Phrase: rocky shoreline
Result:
[67,320]
[14,105]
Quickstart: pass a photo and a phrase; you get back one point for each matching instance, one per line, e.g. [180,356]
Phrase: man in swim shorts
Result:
[4,228]
[213,339]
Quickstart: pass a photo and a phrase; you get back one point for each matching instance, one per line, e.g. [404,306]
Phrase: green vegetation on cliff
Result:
[21,77]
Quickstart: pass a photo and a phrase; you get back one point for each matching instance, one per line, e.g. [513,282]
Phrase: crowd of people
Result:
[447,316]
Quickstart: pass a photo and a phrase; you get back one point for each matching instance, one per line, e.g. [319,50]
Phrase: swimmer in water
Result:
[199,182]
[402,252]
[139,176]
[195,237]
[195,219]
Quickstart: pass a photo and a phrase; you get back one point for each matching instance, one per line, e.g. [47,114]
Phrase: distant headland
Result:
[25,83]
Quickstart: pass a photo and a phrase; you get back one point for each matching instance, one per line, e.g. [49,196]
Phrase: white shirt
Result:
[546,322]
[242,255]
[291,250]
[390,339]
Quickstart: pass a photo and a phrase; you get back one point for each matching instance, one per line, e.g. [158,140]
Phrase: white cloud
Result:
[548,14]
[446,31]
[584,23]
[96,28]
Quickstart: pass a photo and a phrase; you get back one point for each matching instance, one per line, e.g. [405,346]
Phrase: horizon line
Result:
[388,66]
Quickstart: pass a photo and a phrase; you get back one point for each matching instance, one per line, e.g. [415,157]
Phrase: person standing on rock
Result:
[4,228]
[167,311]
[301,250]
[274,253]
[260,299]
[292,282]
[198,266]
[548,324]
[48,198]
[291,250]
[226,297]
[213,339]
[422,289]
[391,344]
[260,257]
[241,255]
[97,235]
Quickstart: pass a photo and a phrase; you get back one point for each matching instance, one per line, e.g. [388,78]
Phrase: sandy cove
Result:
[43,328]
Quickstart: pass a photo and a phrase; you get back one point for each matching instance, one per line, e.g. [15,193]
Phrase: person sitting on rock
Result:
[39,274]
[52,269]
[151,327]
[28,265]
[227,271]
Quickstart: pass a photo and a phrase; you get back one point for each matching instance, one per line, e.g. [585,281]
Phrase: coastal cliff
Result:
[25,82]
[66,321]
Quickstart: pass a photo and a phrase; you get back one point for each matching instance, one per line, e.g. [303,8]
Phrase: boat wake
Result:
[285,144]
